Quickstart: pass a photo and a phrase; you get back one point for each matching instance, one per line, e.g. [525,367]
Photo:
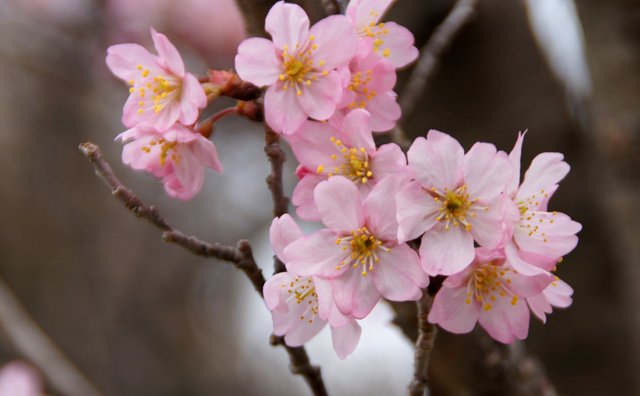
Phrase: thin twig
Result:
[277,157]
[34,344]
[301,365]
[241,257]
[424,346]
[440,40]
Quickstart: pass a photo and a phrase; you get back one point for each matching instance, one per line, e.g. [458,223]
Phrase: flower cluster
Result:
[164,104]
[392,220]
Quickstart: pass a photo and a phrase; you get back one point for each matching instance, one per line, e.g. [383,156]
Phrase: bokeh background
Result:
[141,317]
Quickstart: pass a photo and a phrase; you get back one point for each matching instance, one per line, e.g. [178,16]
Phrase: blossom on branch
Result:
[298,65]
[540,238]
[359,251]
[391,41]
[455,200]
[177,155]
[302,305]
[557,294]
[368,81]
[490,292]
[349,150]
[161,92]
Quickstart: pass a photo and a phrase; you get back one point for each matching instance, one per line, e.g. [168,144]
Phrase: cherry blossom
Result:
[368,81]
[358,251]
[391,40]
[302,306]
[161,93]
[298,65]
[490,292]
[177,155]
[349,151]
[455,200]
[540,238]
[20,379]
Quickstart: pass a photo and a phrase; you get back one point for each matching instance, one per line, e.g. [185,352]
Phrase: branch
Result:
[440,40]
[301,365]
[424,346]
[34,344]
[274,181]
[241,256]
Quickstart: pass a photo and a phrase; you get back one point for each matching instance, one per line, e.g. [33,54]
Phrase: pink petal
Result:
[356,132]
[546,170]
[559,238]
[445,252]
[206,153]
[389,160]
[451,311]
[338,201]
[486,172]
[123,59]
[398,275]
[318,100]
[559,293]
[514,157]
[487,225]
[539,306]
[313,147]
[304,200]
[302,330]
[258,62]
[316,254]
[384,112]
[169,56]
[380,207]
[506,322]
[399,42]
[417,212]
[282,232]
[437,161]
[192,98]
[272,291]
[346,338]
[518,263]
[336,39]
[354,293]
[20,379]
[287,24]
[282,110]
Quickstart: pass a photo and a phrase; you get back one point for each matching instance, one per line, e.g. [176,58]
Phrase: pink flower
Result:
[358,251]
[557,294]
[488,291]
[161,92]
[177,155]
[540,238]
[455,200]
[391,40]
[349,151]
[368,81]
[302,306]
[298,66]
[19,379]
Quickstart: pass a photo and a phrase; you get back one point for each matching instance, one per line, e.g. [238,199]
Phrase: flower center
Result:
[297,66]
[455,205]
[486,285]
[166,148]
[354,165]
[159,90]
[303,291]
[363,246]
[358,85]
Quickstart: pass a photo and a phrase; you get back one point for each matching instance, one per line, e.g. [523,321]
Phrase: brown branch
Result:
[34,344]
[301,365]
[274,181]
[241,256]
[440,40]
[424,346]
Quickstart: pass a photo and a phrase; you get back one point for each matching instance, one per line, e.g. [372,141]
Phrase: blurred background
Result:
[142,317]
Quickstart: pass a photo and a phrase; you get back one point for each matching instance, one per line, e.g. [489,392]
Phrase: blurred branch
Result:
[241,256]
[34,344]
[440,40]
[424,345]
